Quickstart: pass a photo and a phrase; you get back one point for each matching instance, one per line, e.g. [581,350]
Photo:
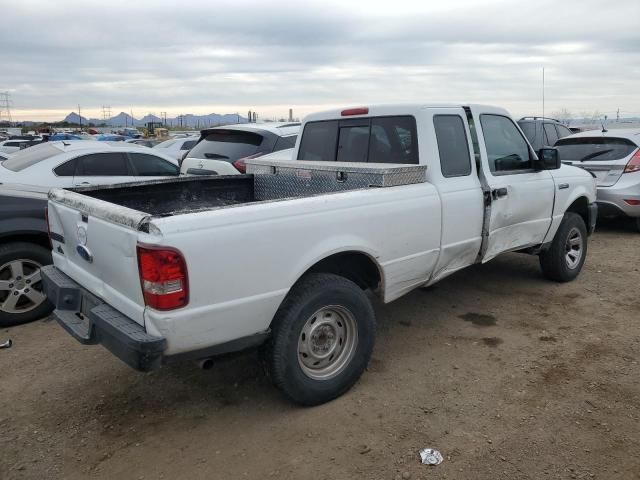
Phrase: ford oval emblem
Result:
[84,253]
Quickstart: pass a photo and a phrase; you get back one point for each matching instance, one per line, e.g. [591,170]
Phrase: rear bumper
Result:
[91,321]
[612,201]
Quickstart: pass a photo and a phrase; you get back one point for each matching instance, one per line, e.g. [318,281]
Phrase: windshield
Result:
[583,149]
[30,156]
[228,145]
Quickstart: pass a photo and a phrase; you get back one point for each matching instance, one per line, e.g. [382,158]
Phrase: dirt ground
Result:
[508,375]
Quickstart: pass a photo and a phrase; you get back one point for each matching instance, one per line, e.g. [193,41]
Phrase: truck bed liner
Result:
[176,195]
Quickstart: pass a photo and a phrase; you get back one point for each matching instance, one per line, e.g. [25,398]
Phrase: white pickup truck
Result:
[203,266]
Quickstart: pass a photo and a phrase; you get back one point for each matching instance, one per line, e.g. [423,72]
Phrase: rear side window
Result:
[584,149]
[453,146]
[103,164]
[146,165]
[285,142]
[552,135]
[67,169]
[227,145]
[375,140]
[189,145]
[507,149]
[563,131]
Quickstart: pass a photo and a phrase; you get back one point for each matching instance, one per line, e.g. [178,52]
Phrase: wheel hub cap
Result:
[20,286]
[573,248]
[327,342]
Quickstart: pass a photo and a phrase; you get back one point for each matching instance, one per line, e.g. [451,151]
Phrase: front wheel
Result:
[564,259]
[322,338]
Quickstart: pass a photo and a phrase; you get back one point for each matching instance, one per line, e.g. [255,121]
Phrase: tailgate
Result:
[98,250]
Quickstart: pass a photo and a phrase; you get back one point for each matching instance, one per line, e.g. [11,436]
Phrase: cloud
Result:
[228,56]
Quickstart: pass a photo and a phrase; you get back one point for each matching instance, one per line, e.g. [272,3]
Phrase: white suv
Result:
[223,150]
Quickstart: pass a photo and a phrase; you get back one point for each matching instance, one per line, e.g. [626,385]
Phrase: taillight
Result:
[632,202]
[634,164]
[163,276]
[241,164]
[354,111]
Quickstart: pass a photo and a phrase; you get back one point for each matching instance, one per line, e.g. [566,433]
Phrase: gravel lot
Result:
[508,375]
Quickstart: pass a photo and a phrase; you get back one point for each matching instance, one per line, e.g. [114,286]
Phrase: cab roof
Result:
[395,109]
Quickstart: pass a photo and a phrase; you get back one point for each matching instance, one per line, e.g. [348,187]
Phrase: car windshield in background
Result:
[584,149]
[30,156]
[228,145]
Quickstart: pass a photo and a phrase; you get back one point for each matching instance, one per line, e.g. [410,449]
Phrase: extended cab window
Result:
[375,140]
[507,149]
[453,146]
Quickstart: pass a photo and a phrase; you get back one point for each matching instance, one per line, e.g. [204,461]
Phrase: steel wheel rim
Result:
[573,248]
[20,286]
[327,342]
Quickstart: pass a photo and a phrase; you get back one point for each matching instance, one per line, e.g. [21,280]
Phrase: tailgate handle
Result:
[499,193]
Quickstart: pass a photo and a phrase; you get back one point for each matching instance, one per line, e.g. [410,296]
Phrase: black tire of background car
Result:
[311,293]
[552,261]
[30,251]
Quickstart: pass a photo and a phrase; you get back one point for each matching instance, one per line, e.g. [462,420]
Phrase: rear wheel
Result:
[564,259]
[322,338]
[21,296]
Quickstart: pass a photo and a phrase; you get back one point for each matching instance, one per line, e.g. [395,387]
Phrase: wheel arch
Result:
[39,238]
[355,265]
[580,206]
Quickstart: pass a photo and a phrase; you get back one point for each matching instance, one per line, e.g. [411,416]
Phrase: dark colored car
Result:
[542,131]
[24,248]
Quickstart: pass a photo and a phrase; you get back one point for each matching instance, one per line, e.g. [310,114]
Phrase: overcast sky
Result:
[225,57]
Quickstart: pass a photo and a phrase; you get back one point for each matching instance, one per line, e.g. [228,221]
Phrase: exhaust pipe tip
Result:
[206,363]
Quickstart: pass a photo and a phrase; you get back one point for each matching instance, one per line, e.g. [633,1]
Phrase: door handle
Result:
[499,193]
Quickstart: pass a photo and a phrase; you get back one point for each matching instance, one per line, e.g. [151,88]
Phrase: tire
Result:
[323,316]
[637,224]
[21,298]
[563,261]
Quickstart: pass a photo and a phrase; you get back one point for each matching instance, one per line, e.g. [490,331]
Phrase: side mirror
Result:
[548,159]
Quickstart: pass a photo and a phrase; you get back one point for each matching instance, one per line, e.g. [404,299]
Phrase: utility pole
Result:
[80,117]
[106,113]
[542,92]
[5,106]
[163,116]
[618,115]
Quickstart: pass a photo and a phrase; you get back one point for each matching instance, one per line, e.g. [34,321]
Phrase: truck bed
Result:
[176,195]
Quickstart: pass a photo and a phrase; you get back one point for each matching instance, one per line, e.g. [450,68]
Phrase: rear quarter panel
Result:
[242,261]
